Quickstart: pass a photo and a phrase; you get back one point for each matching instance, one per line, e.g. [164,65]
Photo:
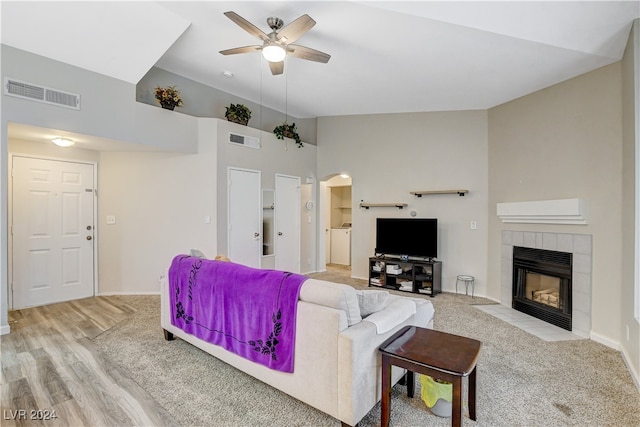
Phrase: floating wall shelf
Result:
[429,192]
[382,205]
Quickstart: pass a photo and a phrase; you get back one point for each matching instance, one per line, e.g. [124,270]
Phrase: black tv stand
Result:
[423,277]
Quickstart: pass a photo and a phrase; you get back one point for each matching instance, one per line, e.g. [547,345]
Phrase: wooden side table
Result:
[437,354]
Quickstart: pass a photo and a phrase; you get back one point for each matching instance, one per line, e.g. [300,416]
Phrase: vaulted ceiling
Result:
[385,56]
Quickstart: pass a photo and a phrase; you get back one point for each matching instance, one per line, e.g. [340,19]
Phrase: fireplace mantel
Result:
[562,211]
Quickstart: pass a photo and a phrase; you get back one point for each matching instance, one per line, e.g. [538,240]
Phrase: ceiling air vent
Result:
[246,141]
[41,94]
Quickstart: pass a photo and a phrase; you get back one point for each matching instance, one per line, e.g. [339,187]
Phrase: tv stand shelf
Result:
[420,277]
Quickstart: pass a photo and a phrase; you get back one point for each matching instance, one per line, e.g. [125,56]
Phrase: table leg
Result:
[472,394]
[385,403]
[456,410]
[410,384]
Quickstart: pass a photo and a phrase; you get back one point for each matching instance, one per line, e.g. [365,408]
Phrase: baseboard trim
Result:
[634,374]
[108,294]
[604,341]
[5,329]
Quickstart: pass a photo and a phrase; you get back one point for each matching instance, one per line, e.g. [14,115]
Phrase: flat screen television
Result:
[413,237]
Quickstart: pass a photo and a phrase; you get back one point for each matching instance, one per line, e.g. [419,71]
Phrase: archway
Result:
[335,221]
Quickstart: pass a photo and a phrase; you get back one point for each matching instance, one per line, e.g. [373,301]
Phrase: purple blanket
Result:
[248,311]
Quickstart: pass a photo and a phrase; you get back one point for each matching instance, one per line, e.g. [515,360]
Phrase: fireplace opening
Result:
[542,284]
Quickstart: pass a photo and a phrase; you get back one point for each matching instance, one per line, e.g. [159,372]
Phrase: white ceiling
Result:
[386,56]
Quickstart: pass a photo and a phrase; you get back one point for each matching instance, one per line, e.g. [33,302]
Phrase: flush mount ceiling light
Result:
[63,142]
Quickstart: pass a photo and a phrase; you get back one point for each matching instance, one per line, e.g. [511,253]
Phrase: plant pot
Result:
[168,106]
[237,120]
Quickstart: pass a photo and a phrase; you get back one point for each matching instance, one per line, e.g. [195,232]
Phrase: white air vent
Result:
[41,94]
[247,141]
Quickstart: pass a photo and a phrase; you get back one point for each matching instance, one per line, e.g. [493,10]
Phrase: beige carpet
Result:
[522,380]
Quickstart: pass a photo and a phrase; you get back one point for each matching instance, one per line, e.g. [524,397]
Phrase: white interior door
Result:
[53,231]
[287,218]
[244,217]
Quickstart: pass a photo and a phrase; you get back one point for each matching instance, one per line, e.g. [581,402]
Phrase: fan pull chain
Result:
[286,103]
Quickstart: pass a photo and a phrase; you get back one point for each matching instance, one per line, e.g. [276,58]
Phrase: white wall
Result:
[160,201]
[390,155]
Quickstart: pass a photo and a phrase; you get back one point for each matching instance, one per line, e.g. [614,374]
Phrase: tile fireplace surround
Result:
[579,245]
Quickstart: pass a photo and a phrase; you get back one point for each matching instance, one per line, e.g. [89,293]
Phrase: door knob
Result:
[279,233]
[89,227]
[89,237]
[256,235]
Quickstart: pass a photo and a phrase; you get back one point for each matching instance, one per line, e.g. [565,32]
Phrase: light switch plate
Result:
[111,219]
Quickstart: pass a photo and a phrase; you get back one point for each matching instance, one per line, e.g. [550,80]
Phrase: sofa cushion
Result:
[395,312]
[334,295]
[371,301]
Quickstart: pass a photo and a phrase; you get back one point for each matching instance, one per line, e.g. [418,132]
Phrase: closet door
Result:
[244,217]
[287,219]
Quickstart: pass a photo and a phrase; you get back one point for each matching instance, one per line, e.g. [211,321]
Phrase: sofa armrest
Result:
[359,369]
[397,311]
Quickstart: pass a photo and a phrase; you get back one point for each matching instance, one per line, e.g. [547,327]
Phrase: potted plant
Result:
[238,113]
[286,130]
[168,97]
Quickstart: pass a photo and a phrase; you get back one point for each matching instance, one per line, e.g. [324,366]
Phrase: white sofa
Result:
[337,364]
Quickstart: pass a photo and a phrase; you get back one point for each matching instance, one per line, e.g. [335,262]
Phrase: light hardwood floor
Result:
[50,367]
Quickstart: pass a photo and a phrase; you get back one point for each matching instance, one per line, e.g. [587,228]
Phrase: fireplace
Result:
[542,284]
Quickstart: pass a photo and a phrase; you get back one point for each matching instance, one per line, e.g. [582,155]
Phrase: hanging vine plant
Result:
[286,130]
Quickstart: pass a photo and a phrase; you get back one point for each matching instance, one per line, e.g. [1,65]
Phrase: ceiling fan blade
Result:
[276,67]
[244,49]
[296,29]
[307,53]
[246,25]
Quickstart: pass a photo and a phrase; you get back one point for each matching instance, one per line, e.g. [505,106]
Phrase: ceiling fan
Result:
[277,44]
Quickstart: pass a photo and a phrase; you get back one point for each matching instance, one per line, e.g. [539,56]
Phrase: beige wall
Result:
[629,298]
[565,142]
[390,155]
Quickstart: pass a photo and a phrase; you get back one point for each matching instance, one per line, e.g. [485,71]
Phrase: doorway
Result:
[53,233]
[338,219]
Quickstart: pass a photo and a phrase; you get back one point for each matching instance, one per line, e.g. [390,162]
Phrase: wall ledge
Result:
[561,211]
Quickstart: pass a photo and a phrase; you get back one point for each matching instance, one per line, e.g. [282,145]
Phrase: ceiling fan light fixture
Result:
[63,142]
[273,53]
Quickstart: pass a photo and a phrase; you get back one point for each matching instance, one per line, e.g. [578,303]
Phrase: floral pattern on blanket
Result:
[269,347]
